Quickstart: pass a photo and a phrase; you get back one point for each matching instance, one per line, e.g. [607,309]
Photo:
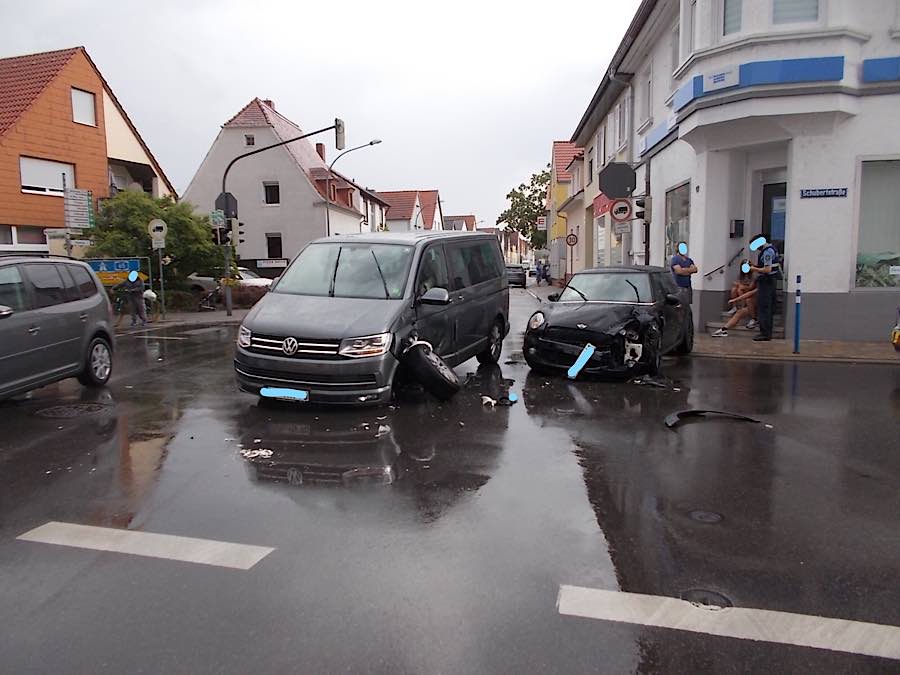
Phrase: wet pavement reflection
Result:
[432,536]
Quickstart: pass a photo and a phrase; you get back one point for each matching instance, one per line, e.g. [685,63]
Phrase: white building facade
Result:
[771,116]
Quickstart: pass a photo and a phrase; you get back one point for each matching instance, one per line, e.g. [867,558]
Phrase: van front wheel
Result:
[491,353]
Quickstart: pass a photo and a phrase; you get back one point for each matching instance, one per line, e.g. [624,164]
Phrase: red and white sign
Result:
[622,210]
[542,223]
[601,205]
[572,239]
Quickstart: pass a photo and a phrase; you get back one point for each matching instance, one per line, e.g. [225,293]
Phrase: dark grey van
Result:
[54,324]
[335,325]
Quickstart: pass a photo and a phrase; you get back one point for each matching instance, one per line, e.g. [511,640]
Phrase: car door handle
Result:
[34,330]
[83,317]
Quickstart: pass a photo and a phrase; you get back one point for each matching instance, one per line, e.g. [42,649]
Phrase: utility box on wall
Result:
[737,229]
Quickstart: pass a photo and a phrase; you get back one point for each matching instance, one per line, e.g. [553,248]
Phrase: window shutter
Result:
[732,16]
[793,11]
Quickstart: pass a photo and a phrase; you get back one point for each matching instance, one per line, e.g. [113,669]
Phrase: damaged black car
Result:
[612,319]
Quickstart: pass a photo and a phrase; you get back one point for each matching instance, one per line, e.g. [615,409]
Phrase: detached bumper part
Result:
[676,418]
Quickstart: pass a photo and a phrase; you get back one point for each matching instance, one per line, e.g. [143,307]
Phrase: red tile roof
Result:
[401,203]
[254,114]
[24,78]
[428,199]
[459,222]
[563,154]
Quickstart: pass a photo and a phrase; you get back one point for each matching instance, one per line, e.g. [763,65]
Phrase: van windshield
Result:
[343,270]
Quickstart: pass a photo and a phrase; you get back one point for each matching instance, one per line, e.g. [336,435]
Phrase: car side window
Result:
[12,288]
[432,271]
[480,263]
[85,281]
[459,271]
[69,285]
[47,284]
[659,287]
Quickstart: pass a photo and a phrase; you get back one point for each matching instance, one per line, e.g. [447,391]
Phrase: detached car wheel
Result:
[432,372]
[97,365]
[491,353]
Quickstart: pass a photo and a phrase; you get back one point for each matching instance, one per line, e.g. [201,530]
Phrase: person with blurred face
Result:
[682,268]
[767,270]
[133,287]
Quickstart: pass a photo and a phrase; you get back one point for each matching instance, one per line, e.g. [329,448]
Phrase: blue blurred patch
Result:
[284,394]
[757,243]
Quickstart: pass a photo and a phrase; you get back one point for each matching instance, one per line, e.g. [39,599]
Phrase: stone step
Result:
[742,331]
[778,319]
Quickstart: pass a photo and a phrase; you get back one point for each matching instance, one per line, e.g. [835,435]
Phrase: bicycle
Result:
[122,307]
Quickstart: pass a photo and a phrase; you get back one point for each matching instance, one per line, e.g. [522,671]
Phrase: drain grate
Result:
[702,596]
[64,412]
[708,517]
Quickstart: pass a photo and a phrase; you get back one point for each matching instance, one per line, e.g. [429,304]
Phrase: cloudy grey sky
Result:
[466,95]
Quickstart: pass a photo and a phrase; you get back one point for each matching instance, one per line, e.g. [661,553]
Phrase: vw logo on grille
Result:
[290,346]
[582,326]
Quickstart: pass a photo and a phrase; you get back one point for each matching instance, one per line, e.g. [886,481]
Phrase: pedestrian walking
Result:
[133,287]
[768,269]
[546,271]
[682,268]
[538,272]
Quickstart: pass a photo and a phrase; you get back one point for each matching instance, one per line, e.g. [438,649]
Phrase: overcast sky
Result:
[467,96]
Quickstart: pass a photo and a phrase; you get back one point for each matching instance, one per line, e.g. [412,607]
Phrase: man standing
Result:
[133,287]
[768,269]
[682,268]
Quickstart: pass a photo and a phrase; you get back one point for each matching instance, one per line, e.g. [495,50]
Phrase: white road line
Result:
[839,635]
[167,546]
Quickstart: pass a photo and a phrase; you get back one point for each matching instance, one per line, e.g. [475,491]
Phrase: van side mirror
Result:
[553,297]
[435,296]
[672,299]
[5,311]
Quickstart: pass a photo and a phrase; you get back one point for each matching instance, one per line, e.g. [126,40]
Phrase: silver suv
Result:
[54,324]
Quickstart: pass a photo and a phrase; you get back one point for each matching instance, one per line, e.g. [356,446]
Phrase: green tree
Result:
[121,231]
[526,203]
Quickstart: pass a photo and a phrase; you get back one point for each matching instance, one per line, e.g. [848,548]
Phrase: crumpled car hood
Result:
[597,317]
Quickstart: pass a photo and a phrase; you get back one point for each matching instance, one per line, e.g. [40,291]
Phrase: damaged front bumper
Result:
[613,354]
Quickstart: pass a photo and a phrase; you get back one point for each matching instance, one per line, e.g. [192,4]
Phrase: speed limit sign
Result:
[572,239]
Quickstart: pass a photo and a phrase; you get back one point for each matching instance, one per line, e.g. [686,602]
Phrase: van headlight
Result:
[369,345]
[244,336]
[536,321]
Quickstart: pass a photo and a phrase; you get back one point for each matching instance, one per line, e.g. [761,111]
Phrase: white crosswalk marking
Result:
[167,546]
[840,635]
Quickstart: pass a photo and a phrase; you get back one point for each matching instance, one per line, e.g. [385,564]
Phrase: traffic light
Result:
[339,137]
[237,229]
[642,207]
[225,235]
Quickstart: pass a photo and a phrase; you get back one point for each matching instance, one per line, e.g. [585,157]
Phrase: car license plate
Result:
[284,394]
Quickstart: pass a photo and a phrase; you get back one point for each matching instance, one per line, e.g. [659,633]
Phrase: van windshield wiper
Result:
[387,295]
[334,276]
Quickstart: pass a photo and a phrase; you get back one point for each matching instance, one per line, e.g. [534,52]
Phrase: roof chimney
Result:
[320,148]
[269,103]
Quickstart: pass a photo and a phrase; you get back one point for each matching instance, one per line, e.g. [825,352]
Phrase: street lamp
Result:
[374,141]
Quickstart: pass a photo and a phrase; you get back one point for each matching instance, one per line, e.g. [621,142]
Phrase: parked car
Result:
[55,323]
[204,283]
[516,276]
[631,315]
[338,322]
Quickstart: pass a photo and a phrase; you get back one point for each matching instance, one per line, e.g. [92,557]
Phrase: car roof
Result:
[408,238]
[30,258]
[619,269]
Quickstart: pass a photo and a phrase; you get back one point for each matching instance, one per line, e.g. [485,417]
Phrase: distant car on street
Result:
[55,323]
[632,315]
[203,283]
[515,275]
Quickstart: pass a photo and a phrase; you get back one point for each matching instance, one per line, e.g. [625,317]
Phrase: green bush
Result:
[180,301]
[247,296]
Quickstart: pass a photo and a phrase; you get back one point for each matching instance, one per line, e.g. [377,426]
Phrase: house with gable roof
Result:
[281,193]
[59,117]
[413,210]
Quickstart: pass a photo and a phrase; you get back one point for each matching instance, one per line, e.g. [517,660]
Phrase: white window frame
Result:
[82,106]
[249,140]
[857,222]
[44,185]
[646,98]
[720,20]
[787,25]
[622,124]
[692,26]
[590,166]
[601,140]
[675,35]
[268,183]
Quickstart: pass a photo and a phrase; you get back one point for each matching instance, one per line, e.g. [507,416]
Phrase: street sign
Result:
[111,271]
[81,242]
[572,239]
[621,210]
[227,203]
[78,208]
[622,228]
[158,243]
[542,223]
[157,229]
[271,262]
[617,179]
[217,219]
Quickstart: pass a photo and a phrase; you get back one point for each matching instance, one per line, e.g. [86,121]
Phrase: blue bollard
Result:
[797,317]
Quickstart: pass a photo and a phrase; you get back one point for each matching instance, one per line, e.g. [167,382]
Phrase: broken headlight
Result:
[536,321]
[370,345]
[632,334]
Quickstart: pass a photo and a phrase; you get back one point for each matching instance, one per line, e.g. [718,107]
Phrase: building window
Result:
[273,246]
[83,111]
[692,26]
[249,139]
[795,11]
[731,16]
[676,47]
[623,123]
[590,173]
[42,176]
[30,235]
[6,238]
[878,250]
[678,217]
[647,95]
[272,193]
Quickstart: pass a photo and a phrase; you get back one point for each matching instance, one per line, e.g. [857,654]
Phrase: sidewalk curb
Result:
[799,358]
[232,320]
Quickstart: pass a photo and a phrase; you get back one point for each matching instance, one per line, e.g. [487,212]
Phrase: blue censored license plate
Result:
[284,394]
[581,361]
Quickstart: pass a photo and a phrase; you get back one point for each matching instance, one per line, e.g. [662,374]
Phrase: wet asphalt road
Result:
[455,565]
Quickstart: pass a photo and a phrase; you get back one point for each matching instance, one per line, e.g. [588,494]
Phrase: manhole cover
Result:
[70,411]
[706,516]
[702,596]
